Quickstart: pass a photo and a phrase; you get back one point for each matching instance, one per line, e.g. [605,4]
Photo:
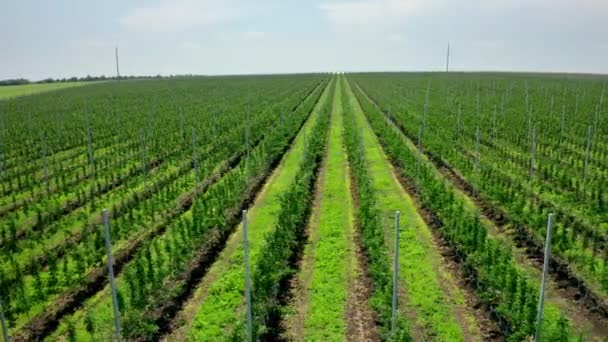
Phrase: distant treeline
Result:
[88,78]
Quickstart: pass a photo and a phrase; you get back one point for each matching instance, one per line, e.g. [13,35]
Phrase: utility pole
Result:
[447,59]
[117,68]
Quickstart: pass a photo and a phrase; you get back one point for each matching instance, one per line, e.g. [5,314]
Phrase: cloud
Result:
[188,45]
[179,15]
[254,34]
[366,14]
[396,37]
[487,44]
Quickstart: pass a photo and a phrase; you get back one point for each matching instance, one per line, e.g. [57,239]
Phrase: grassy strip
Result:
[223,304]
[327,292]
[433,307]
[498,280]
[7,92]
[372,231]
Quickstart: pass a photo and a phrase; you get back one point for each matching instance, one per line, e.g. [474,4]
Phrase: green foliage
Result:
[372,233]
[513,296]
[276,261]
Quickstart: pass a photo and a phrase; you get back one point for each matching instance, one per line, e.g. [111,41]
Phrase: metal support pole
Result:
[106,223]
[44,161]
[142,141]
[477,105]
[541,299]
[494,124]
[3,319]
[247,279]
[602,96]
[181,122]
[426,104]
[563,120]
[596,119]
[530,122]
[587,151]
[2,160]
[458,121]
[247,133]
[476,149]
[395,275]
[527,96]
[419,149]
[194,160]
[91,154]
[532,153]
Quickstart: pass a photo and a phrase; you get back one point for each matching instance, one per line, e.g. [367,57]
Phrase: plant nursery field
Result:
[264,208]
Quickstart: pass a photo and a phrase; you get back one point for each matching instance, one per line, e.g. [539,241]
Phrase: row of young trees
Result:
[372,233]
[277,261]
[504,175]
[157,278]
[489,263]
[139,207]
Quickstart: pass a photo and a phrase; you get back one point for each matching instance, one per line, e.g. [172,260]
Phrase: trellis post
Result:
[395,275]
[587,151]
[532,152]
[541,299]
[247,279]
[106,223]
[3,319]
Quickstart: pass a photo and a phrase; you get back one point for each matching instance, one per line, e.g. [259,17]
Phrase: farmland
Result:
[7,92]
[474,163]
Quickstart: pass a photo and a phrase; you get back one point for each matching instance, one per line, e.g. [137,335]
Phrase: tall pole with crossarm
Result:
[117,67]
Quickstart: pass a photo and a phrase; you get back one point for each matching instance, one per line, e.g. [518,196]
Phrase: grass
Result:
[223,303]
[7,92]
[329,252]
[423,299]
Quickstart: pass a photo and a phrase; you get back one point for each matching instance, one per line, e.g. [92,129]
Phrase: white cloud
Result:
[396,37]
[366,14]
[188,45]
[180,14]
[254,34]
[487,44]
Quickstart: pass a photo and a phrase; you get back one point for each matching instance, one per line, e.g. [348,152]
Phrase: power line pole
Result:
[117,67]
[447,59]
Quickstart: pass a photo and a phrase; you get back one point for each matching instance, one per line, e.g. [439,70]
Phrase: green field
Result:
[474,163]
[7,92]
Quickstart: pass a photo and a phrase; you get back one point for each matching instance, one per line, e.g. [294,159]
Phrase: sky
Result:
[64,38]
